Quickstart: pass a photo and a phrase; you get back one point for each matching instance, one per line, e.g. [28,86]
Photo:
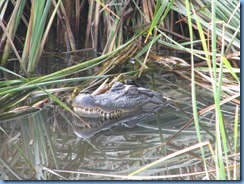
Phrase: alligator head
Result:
[122,104]
[120,100]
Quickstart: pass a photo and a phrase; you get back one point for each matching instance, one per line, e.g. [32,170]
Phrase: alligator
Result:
[119,105]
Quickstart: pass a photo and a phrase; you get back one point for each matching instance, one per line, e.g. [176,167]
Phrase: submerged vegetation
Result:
[187,50]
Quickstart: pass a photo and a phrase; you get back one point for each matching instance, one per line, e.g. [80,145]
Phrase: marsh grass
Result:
[197,137]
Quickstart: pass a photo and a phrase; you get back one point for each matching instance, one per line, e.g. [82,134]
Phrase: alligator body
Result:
[121,104]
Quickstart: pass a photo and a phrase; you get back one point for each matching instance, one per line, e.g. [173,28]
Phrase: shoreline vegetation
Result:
[49,48]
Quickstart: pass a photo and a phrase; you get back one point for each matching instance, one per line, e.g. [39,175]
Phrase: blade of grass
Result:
[193,89]
[11,30]
[157,14]
[235,141]
[5,54]
[52,148]
[47,30]
[22,154]
[68,27]
[216,93]
[199,145]
[9,168]
[230,69]
[41,9]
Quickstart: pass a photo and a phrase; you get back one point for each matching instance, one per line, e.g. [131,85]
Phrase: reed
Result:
[127,39]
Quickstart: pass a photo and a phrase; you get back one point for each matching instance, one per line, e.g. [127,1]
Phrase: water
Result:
[43,145]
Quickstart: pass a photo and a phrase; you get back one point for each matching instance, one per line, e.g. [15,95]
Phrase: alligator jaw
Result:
[96,112]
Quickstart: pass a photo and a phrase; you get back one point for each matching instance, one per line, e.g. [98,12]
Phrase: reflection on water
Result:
[100,124]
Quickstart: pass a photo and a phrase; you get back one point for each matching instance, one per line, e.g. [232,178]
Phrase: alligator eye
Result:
[133,90]
[84,100]
[117,86]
